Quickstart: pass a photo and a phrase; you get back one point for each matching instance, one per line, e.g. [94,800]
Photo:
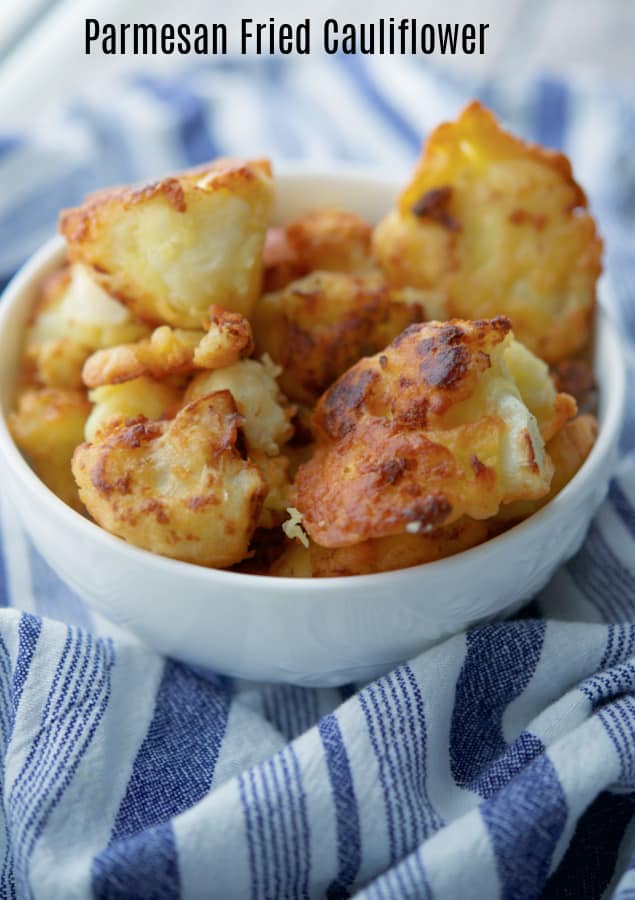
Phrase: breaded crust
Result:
[173,351]
[229,338]
[498,226]
[180,488]
[168,351]
[432,429]
[172,248]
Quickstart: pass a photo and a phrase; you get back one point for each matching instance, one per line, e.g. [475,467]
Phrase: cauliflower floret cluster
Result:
[497,226]
[322,397]
[432,429]
[171,249]
[179,487]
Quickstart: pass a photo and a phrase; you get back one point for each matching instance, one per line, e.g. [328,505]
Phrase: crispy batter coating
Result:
[499,227]
[47,425]
[331,240]
[168,351]
[258,398]
[179,488]
[170,249]
[399,551]
[568,449]
[228,339]
[173,351]
[317,327]
[432,429]
[142,396]
[74,317]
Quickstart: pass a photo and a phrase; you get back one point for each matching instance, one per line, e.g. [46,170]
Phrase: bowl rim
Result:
[49,253]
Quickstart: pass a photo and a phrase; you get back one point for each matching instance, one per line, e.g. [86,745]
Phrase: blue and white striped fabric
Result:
[500,763]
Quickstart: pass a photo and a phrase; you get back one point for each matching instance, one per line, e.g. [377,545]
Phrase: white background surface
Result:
[42,53]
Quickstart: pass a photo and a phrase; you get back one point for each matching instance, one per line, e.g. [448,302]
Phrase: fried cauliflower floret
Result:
[179,488]
[385,554]
[73,318]
[317,327]
[170,249]
[173,351]
[140,397]
[258,399]
[228,339]
[168,351]
[47,425]
[432,429]
[567,450]
[498,226]
[331,240]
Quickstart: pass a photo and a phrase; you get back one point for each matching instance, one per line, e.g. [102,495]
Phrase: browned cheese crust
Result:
[173,351]
[431,429]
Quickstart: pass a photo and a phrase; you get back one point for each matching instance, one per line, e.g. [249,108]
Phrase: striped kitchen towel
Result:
[500,763]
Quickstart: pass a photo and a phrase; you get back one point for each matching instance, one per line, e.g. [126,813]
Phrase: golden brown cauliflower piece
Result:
[179,488]
[168,351]
[142,396]
[258,398]
[498,226]
[47,425]
[331,240]
[432,429]
[317,327]
[170,249]
[228,339]
[173,351]
[399,551]
[74,317]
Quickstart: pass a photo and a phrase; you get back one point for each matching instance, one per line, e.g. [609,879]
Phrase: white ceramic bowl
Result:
[314,632]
